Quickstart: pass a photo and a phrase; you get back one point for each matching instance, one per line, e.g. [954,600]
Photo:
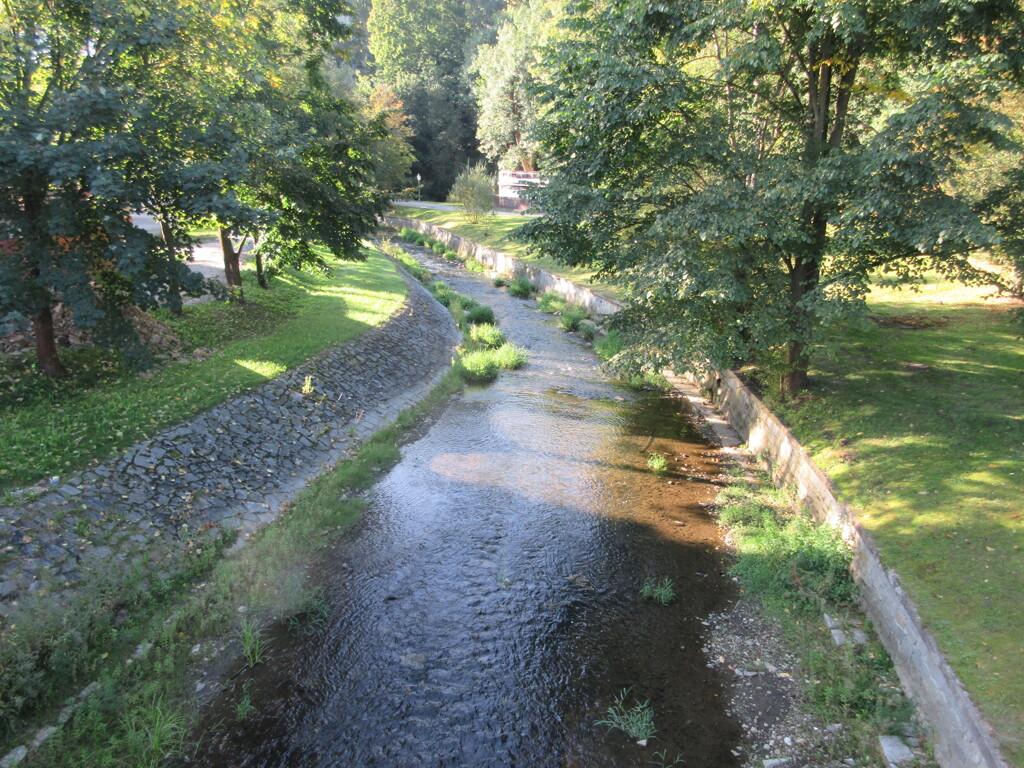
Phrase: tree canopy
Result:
[743,168]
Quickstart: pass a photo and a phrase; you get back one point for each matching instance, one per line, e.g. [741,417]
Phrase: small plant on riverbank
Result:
[254,647]
[312,614]
[244,707]
[154,733]
[797,568]
[521,288]
[480,315]
[307,386]
[572,317]
[657,463]
[487,335]
[551,302]
[661,591]
[587,332]
[510,357]
[500,281]
[636,720]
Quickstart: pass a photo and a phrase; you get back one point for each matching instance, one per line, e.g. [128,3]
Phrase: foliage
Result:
[521,288]
[480,316]
[636,720]
[660,591]
[505,81]
[254,646]
[487,335]
[419,49]
[74,85]
[784,557]
[571,317]
[657,463]
[741,168]
[474,191]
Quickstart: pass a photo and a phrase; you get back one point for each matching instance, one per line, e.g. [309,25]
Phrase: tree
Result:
[73,167]
[474,191]
[419,49]
[308,175]
[505,85]
[743,168]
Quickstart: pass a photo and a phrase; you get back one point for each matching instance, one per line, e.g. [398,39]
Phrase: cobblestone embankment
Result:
[232,467]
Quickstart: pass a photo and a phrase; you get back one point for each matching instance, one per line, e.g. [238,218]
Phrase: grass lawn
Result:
[51,428]
[496,232]
[919,419]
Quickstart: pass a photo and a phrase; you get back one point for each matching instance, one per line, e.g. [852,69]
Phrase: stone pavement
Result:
[232,467]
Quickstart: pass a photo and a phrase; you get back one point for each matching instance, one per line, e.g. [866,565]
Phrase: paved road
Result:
[207,258]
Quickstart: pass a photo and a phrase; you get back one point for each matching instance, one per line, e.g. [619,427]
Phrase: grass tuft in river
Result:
[635,720]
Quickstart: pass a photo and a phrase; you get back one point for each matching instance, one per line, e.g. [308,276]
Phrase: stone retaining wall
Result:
[232,467]
[961,736]
[503,264]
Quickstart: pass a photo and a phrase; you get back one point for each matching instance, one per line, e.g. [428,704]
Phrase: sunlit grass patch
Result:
[918,417]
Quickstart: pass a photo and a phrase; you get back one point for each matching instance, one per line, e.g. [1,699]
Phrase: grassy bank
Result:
[142,710]
[797,570]
[496,232]
[52,427]
[919,418]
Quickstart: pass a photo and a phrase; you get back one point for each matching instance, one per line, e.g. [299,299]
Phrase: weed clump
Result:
[500,281]
[551,302]
[521,288]
[609,346]
[661,591]
[480,315]
[636,721]
[487,335]
[657,463]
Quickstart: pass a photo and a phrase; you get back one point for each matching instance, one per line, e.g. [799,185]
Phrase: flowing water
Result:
[487,610]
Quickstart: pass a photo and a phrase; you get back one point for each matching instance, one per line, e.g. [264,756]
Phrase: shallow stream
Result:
[487,610]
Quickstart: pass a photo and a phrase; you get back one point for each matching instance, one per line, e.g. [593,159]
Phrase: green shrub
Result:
[571,318]
[474,191]
[451,256]
[438,247]
[475,266]
[479,367]
[480,315]
[587,331]
[510,357]
[794,559]
[487,335]
[409,235]
[657,463]
[609,346]
[500,282]
[521,288]
[552,302]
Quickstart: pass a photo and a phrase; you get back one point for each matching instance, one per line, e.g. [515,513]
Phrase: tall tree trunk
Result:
[165,230]
[168,237]
[261,277]
[803,279]
[46,344]
[797,362]
[232,271]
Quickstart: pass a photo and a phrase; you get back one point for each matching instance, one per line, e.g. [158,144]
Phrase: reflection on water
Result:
[487,610]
